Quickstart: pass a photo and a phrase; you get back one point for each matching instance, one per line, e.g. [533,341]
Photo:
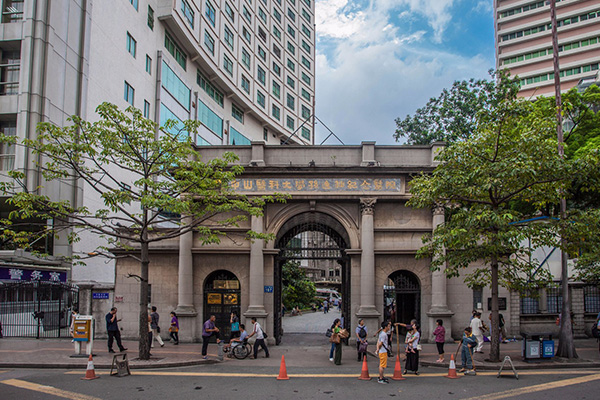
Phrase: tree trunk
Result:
[566,344]
[495,328]
[144,343]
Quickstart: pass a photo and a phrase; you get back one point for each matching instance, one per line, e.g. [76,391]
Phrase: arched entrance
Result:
[221,298]
[317,242]
[402,297]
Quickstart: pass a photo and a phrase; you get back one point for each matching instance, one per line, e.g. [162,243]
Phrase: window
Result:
[187,12]
[289,122]
[291,48]
[260,74]
[210,13]
[291,14]
[150,18]
[265,134]
[236,138]
[591,299]
[305,78]
[209,42]
[228,37]
[307,2]
[305,62]
[262,15]
[262,53]
[131,44]
[209,88]
[237,113]
[306,15]
[7,150]
[175,51]
[246,14]
[247,35]
[276,32]
[134,3]
[146,109]
[277,15]
[229,12]
[228,65]
[262,34]
[276,50]
[306,46]
[305,133]
[12,11]
[245,58]
[290,101]
[276,112]
[554,300]
[530,305]
[260,98]
[246,84]
[305,112]
[129,93]
[291,83]
[10,68]
[291,65]
[477,298]
[276,69]
[291,31]
[276,89]
[306,31]
[305,94]
[174,85]
[210,119]
[148,64]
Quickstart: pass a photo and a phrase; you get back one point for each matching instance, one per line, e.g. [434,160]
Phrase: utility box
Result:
[83,333]
[537,346]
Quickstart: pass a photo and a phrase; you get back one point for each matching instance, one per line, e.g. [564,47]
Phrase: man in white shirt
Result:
[260,339]
[477,330]
[382,350]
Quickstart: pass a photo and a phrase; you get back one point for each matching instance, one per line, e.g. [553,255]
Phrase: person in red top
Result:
[440,338]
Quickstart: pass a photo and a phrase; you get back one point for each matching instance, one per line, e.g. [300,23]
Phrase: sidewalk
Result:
[300,351]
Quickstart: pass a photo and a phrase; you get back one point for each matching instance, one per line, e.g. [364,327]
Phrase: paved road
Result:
[316,322]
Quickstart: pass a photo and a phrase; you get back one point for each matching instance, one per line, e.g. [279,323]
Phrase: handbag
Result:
[335,338]
[362,348]
[265,334]
[157,329]
[328,332]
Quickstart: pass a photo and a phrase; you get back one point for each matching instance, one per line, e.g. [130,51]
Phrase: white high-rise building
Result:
[244,68]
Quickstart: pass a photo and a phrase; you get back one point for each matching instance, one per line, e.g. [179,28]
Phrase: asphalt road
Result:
[246,380]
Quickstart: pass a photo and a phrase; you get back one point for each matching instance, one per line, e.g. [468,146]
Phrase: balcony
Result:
[9,77]
[12,11]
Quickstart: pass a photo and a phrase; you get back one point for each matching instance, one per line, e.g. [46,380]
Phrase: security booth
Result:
[537,347]
[83,333]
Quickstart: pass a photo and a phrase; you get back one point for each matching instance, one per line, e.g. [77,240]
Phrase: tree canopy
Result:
[297,289]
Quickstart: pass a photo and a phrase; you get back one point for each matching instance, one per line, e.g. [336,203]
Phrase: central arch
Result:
[312,238]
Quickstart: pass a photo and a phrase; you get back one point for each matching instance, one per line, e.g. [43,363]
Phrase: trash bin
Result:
[537,347]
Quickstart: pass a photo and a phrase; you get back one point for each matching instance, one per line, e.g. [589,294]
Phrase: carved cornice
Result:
[367,205]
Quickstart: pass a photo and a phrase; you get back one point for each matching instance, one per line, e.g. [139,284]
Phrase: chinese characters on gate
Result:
[317,185]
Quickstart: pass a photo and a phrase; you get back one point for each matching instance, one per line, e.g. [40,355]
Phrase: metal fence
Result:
[37,309]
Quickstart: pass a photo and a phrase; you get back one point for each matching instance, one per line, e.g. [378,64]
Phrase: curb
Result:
[528,366]
[107,366]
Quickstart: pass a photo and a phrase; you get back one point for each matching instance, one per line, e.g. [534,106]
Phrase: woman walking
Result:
[361,339]
[336,341]
[412,350]
[174,329]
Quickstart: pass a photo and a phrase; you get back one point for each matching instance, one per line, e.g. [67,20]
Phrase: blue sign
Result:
[548,348]
[22,274]
[268,289]
[100,296]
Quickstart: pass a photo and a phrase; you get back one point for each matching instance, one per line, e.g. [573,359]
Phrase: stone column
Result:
[439,302]
[256,283]
[367,261]
[186,312]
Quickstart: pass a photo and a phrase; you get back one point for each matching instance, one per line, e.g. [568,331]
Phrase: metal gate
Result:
[37,309]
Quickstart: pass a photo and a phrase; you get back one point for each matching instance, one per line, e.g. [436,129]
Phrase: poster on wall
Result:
[230,299]
[214,298]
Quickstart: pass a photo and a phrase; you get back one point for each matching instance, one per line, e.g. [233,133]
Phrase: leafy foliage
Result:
[297,289]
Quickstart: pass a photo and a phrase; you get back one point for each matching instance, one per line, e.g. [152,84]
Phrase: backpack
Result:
[362,333]
[595,331]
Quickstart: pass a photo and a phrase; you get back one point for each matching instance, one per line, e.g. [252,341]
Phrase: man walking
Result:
[209,329]
[112,327]
[477,330]
[155,328]
[382,350]
[260,339]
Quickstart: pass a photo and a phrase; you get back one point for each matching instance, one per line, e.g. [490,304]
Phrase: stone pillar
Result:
[256,283]
[367,261]
[186,312]
[439,301]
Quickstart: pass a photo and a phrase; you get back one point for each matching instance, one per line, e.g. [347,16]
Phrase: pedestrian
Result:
[468,342]
[361,339]
[174,328]
[382,350]
[440,338]
[336,323]
[237,340]
[412,350]
[235,325]
[502,325]
[150,328]
[209,330]
[325,306]
[155,328]
[260,339]
[477,330]
[112,328]
[338,335]
[74,315]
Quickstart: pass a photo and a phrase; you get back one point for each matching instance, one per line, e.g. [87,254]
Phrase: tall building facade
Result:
[244,68]
[524,42]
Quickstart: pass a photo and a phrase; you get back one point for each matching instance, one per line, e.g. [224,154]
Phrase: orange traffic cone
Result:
[398,370]
[364,374]
[89,372]
[282,370]
[452,369]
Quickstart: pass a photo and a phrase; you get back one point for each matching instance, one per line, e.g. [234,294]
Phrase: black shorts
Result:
[440,347]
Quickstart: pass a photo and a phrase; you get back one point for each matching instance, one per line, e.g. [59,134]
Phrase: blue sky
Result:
[382,59]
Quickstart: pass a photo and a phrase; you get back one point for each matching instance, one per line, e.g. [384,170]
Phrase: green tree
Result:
[510,159]
[146,178]
[297,289]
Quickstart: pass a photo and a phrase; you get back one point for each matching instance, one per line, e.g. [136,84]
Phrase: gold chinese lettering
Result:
[378,184]
[248,184]
[300,184]
[390,184]
[261,184]
[339,184]
[365,185]
[286,185]
[326,185]
[313,185]
[352,185]
[235,184]
[273,184]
